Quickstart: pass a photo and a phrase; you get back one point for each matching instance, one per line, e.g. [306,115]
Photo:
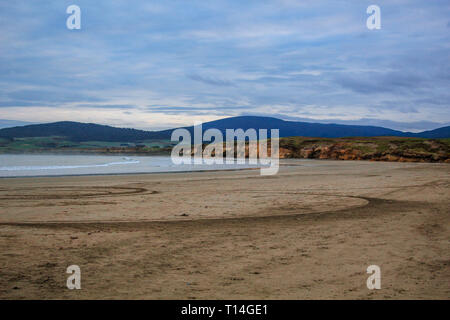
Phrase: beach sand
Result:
[308,232]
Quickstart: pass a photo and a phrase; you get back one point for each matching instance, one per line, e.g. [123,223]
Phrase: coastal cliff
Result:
[376,149]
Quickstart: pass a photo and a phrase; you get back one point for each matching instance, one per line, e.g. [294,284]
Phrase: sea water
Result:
[23,165]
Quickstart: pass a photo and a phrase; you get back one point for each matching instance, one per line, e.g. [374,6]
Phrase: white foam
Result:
[20,168]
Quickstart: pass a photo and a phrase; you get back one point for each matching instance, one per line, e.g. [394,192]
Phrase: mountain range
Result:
[76,131]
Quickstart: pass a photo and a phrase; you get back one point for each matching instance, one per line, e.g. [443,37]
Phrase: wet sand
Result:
[309,232]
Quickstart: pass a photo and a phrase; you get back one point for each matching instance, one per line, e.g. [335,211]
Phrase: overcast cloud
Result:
[157,64]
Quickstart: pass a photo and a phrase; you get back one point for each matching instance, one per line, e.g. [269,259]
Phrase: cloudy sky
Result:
[163,63]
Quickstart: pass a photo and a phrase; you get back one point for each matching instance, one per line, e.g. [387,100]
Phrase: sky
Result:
[165,63]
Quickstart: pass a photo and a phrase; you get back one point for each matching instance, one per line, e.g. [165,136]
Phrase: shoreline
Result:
[209,170]
[124,173]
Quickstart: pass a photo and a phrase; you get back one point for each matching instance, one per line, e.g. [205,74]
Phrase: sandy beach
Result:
[308,232]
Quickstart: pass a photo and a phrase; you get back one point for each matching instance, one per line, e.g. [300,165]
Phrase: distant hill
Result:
[293,128]
[76,131]
[443,132]
[308,129]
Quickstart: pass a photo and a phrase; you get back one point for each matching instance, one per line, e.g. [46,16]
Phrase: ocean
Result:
[26,165]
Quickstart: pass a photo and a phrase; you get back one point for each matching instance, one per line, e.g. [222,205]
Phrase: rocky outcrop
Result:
[375,149]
